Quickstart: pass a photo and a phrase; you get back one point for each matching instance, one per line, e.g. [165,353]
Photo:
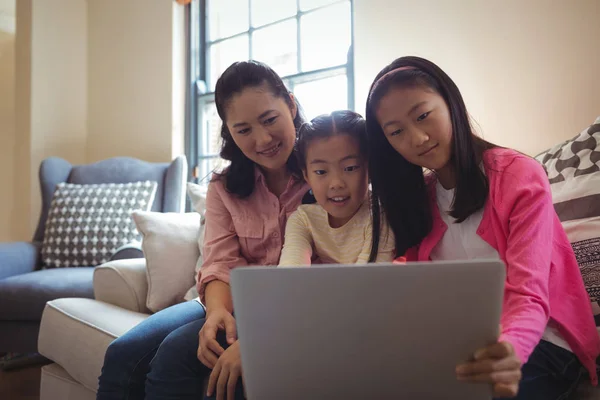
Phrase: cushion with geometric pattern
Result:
[573,168]
[87,223]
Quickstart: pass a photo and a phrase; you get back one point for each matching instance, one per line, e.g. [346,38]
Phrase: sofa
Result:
[25,286]
[75,333]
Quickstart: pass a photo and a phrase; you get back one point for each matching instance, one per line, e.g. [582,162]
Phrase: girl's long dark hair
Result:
[239,175]
[327,125]
[399,190]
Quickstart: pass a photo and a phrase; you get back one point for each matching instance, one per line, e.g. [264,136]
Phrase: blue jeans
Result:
[552,373]
[127,359]
[176,372]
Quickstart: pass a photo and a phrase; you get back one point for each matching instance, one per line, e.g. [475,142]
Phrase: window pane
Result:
[266,11]
[276,46]
[194,39]
[209,165]
[310,4]
[210,140]
[211,127]
[223,22]
[225,53]
[325,50]
[323,96]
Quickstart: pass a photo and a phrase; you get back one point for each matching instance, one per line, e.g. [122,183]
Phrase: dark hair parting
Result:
[328,125]
[239,175]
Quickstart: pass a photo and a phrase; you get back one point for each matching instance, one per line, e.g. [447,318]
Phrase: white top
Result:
[461,242]
[308,236]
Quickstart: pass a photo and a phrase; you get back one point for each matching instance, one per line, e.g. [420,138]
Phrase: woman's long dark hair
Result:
[399,190]
[239,175]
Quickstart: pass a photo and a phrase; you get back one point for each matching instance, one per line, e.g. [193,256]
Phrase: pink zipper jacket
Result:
[543,280]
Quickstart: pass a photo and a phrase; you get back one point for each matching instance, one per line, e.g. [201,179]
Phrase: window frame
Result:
[198,51]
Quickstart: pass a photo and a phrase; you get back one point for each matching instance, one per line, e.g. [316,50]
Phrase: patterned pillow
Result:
[87,223]
[573,168]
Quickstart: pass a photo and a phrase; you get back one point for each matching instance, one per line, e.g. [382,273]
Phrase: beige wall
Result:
[135,97]
[51,93]
[103,78]
[529,70]
[7,115]
[21,218]
[95,79]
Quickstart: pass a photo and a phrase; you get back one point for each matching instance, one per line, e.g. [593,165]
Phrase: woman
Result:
[247,207]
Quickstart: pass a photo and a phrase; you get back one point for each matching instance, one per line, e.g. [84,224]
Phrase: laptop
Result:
[384,331]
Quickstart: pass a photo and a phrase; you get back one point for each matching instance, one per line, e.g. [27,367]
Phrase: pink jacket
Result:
[242,232]
[543,280]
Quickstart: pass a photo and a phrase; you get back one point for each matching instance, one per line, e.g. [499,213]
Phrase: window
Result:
[307,42]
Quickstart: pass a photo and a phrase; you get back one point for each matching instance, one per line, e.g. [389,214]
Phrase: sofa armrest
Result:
[18,258]
[122,283]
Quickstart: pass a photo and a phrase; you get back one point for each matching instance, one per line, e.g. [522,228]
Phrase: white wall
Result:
[529,70]
[51,97]
[134,92]
[7,115]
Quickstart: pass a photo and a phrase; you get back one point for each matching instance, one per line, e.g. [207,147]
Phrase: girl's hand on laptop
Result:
[497,365]
[209,350]
[225,374]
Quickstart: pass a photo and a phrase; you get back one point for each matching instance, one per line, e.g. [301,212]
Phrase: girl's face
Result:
[416,122]
[262,126]
[337,174]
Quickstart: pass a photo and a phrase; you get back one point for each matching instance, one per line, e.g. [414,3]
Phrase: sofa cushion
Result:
[75,334]
[573,169]
[26,295]
[87,223]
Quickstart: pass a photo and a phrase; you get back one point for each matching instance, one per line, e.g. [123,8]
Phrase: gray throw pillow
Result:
[87,223]
[573,168]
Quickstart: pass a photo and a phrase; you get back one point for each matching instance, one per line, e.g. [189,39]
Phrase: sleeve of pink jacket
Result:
[221,250]
[525,201]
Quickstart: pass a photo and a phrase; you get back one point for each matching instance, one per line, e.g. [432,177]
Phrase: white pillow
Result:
[170,245]
[197,195]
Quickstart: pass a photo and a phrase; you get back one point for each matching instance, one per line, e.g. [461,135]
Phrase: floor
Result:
[21,384]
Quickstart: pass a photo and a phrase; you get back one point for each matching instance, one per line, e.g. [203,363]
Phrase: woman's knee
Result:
[143,340]
[179,349]
[120,351]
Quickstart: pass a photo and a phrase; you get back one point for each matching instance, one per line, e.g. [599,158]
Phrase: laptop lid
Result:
[370,331]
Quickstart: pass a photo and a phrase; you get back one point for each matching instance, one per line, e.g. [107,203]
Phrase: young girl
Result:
[480,201]
[332,154]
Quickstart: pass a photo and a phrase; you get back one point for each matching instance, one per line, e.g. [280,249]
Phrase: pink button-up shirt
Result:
[543,281]
[241,232]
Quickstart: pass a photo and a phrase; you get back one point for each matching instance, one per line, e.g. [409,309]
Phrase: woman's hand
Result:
[209,350]
[497,365]
[225,374]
